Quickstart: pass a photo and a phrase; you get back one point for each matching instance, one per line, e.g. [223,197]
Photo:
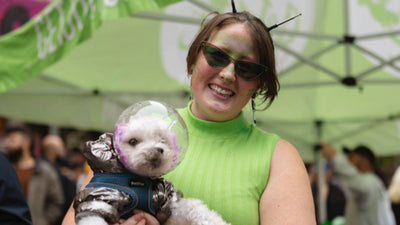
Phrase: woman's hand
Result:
[140,218]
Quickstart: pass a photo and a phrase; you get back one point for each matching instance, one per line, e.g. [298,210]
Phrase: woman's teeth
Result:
[221,91]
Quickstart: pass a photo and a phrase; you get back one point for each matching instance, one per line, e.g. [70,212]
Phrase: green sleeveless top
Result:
[226,166]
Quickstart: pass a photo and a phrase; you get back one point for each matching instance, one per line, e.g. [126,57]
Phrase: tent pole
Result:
[54,130]
[398,123]
[308,61]
[346,20]
[366,127]
[347,45]
[385,82]
[58,82]
[377,35]
[374,68]
[313,56]
[347,59]
[311,84]
[307,35]
[366,51]
[322,213]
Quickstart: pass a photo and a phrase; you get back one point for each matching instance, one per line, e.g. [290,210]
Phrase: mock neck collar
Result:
[222,129]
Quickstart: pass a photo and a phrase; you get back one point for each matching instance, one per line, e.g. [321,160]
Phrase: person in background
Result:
[13,207]
[80,167]
[334,196]
[54,151]
[394,194]
[247,175]
[367,201]
[53,148]
[39,180]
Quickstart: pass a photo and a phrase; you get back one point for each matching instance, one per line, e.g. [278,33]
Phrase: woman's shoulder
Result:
[259,133]
[283,148]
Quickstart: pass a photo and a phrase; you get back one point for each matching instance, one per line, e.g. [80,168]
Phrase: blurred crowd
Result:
[357,186]
[49,166]
[49,169]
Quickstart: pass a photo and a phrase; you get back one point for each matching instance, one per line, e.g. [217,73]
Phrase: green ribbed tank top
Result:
[226,166]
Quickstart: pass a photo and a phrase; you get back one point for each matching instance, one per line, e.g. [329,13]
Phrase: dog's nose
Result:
[155,162]
[159,150]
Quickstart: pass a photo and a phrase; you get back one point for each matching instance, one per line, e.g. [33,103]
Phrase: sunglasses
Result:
[217,58]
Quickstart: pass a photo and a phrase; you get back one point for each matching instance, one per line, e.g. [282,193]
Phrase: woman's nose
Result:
[228,73]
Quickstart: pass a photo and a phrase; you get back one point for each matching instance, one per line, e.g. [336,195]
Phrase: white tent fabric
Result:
[338,65]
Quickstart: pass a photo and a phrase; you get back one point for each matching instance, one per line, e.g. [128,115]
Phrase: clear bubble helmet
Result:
[147,116]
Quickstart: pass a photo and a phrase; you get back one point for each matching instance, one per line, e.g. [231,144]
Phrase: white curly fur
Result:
[194,212]
[92,220]
[151,134]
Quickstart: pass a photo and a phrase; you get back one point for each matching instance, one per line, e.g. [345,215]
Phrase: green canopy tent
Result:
[338,63]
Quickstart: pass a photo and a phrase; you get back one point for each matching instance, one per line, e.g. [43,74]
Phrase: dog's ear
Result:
[101,155]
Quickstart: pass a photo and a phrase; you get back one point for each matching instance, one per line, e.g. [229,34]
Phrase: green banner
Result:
[45,39]
[60,27]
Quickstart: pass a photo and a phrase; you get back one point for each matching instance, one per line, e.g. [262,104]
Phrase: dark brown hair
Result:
[19,128]
[268,84]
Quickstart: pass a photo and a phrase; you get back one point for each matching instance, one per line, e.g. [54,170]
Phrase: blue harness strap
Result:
[139,188]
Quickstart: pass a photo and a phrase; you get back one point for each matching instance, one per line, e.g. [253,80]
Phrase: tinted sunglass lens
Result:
[216,57]
[248,70]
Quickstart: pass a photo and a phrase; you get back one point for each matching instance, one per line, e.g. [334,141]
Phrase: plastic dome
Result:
[153,113]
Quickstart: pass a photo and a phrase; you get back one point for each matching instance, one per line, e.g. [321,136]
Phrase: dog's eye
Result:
[133,141]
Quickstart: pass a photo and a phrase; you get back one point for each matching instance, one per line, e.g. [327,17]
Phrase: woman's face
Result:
[219,94]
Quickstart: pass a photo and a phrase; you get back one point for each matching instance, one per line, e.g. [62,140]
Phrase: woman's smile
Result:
[221,91]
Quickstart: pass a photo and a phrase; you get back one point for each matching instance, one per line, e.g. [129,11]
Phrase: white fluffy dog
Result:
[127,165]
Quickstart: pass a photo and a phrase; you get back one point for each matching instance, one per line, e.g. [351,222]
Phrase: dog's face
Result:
[146,146]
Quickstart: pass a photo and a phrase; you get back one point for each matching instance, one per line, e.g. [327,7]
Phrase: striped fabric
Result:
[226,166]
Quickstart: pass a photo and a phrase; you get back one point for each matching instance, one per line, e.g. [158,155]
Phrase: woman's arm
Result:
[287,198]
[69,218]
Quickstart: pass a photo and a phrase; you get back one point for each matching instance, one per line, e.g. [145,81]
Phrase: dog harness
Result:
[138,187]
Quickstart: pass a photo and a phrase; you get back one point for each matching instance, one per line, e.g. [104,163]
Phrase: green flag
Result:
[60,27]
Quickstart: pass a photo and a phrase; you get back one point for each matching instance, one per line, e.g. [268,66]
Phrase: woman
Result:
[245,174]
